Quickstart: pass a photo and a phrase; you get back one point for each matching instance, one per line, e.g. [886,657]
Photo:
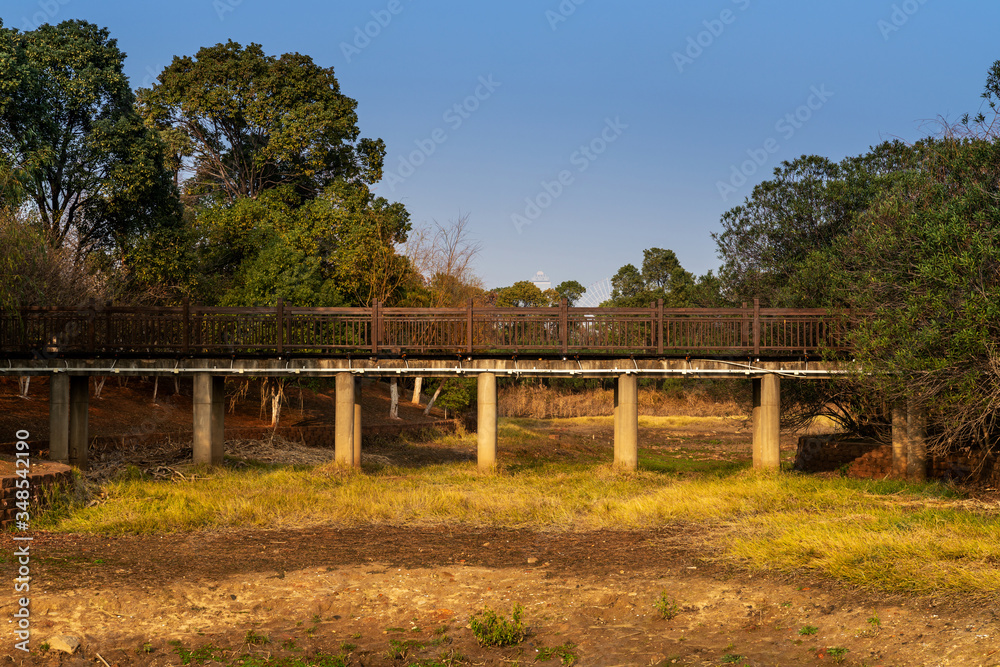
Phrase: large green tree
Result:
[70,134]
[924,264]
[241,122]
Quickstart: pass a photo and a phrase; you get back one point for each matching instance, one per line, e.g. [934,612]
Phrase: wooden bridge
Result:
[69,345]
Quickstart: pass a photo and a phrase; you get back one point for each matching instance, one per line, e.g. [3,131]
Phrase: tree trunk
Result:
[156,386]
[24,383]
[430,403]
[394,399]
[99,386]
[275,406]
[418,383]
[177,385]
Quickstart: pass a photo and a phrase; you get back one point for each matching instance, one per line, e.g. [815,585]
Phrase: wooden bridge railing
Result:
[285,330]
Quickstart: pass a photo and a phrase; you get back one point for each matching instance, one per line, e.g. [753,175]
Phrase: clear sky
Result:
[576,133]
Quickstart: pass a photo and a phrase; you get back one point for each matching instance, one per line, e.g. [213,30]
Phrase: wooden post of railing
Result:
[744,327]
[376,321]
[564,324]
[756,326]
[280,324]
[108,337]
[91,315]
[186,334]
[468,328]
[659,327]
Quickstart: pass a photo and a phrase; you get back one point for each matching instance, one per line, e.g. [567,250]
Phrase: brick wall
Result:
[823,453]
[43,478]
[874,461]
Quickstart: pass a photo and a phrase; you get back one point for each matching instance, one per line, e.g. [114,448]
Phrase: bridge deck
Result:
[329,367]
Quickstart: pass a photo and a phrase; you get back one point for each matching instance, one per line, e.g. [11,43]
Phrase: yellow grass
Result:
[881,536]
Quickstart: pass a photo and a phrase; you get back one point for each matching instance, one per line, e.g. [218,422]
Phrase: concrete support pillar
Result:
[767,422]
[79,405]
[900,441]
[916,444]
[487,421]
[627,447]
[59,418]
[357,424]
[209,407]
[617,420]
[344,424]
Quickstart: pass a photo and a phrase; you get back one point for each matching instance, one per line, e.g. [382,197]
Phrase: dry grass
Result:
[876,535]
[546,403]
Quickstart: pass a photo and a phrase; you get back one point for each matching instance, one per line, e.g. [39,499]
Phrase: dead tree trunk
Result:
[156,386]
[430,403]
[23,384]
[99,386]
[394,399]
[418,384]
[275,405]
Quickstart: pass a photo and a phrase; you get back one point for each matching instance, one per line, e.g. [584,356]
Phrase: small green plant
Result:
[200,656]
[44,646]
[838,653]
[874,627]
[566,653]
[667,607]
[288,644]
[347,647]
[398,650]
[493,630]
[808,630]
[147,647]
[730,658]
[255,639]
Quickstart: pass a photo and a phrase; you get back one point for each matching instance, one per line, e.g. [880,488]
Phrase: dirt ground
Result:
[356,591]
[405,596]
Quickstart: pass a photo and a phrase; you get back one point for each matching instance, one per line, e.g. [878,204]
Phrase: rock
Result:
[532,561]
[64,643]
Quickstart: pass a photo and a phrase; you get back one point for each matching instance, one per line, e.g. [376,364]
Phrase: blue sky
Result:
[576,133]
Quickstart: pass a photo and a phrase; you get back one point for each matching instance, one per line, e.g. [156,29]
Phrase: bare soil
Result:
[403,596]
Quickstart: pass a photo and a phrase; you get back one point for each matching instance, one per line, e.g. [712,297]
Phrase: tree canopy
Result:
[241,122]
[71,136]
[661,277]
